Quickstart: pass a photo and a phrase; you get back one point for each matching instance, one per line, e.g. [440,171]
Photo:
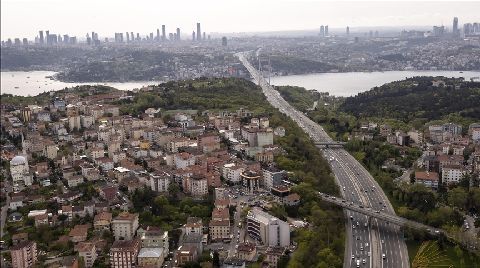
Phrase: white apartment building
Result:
[159,182]
[231,172]
[183,160]
[266,228]
[124,226]
[452,173]
[19,170]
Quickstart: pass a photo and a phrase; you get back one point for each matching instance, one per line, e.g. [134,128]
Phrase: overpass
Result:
[330,144]
[471,243]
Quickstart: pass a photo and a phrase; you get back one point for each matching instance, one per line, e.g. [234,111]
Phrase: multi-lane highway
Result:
[370,242]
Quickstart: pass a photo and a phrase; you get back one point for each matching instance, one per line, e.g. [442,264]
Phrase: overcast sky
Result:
[23,18]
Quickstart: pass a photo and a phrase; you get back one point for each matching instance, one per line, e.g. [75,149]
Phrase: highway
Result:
[369,243]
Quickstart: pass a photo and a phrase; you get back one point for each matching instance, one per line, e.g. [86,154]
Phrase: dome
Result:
[18,160]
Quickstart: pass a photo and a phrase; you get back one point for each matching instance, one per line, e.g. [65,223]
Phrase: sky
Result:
[24,18]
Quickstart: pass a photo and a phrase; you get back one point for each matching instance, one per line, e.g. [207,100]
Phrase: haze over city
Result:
[23,18]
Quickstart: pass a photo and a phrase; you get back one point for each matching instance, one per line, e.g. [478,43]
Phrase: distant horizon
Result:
[286,32]
[24,18]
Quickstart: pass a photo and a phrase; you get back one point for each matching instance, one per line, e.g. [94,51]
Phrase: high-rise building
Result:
[66,39]
[118,37]
[224,41]
[25,41]
[438,30]
[348,30]
[138,37]
[89,40]
[322,31]
[151,36]
[199,33]
[132,37]
[178,34]
[326,30]
[47,36]
[204,36]
[128,38]
[42,41]
[455,27]
[164,34]
[158,35]
[193,36]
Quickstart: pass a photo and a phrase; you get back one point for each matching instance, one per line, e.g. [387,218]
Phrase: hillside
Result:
[417,98]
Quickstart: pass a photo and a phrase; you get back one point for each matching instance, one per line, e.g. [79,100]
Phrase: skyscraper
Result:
[348,30]
[132,37]
[204,36]
[158,35]
[326,30]
[455,27]
[193,36]
[40,33]
[199,33]
[47,35]
[322,31]
[224,41]
[164,34]
[151,36]
[178,34]
[128,38]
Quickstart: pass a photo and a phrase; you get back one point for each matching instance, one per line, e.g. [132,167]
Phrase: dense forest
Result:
[417,97]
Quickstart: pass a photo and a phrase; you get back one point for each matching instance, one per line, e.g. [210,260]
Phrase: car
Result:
[236,246]
[366,224]
[364,261]
[384,256]
[358,224]
[361,248]
[366,244]
[382,241]
[353,257]
[368,254]
[358,237]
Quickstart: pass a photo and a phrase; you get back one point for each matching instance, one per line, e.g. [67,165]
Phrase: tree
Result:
[457,197]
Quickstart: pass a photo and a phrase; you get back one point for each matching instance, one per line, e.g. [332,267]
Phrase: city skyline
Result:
[218,17]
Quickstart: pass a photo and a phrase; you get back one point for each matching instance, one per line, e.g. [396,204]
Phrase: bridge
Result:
[330,144]
[471,243]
